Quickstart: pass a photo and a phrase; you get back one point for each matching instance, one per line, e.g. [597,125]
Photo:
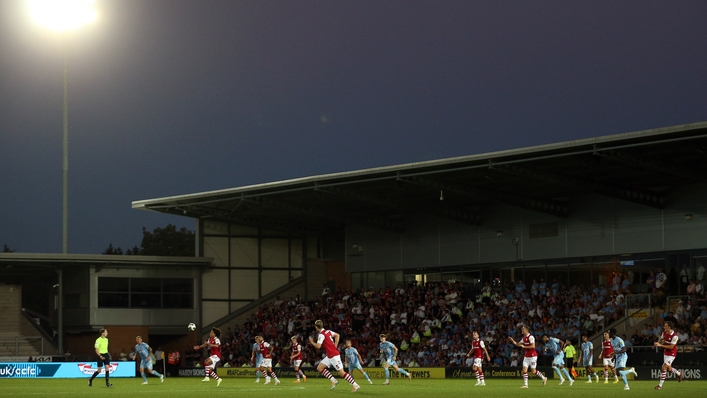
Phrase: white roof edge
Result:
[101,258]
[142,204]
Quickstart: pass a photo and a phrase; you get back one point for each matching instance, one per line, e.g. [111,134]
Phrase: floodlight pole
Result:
[65,165]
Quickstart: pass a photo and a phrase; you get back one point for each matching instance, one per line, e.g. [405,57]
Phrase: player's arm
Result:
[395,351]
[336,339]
[360,360]
[515,343]
[316,345]
[488,357]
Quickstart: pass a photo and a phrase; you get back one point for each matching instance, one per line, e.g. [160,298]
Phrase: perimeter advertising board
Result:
[66,370]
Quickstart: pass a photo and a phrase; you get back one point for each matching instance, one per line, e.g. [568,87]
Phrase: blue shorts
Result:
[391,362]
[621,361]
[558,361]
[146,364]
[355,366]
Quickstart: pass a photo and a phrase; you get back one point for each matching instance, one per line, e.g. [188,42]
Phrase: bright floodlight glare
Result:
[62,15]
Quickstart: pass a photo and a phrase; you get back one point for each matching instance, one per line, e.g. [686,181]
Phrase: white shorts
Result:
[266,363]
[608,362]
[296,363]
[668,360]
[530,362]
[334,362]
[214,360]
[478,362]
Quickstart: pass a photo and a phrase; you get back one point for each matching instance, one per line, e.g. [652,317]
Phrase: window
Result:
[145,292]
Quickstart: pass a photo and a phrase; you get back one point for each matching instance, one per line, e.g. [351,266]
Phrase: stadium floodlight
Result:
[62,15]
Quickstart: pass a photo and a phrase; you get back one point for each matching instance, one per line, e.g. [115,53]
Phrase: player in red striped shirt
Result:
[669,343]
[330,341]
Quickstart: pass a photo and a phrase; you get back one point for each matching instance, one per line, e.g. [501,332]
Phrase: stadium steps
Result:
[15,329]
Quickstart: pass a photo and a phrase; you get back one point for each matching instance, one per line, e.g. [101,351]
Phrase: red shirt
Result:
[326,339]
[297,349]
[265,349]
[607,349]
[528,339]
[214,349]
[671,338]
[478,347]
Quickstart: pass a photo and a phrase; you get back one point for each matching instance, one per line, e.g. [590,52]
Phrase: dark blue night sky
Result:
[172,97]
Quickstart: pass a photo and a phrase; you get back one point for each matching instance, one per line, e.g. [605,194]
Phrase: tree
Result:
[167,241]
[113,250]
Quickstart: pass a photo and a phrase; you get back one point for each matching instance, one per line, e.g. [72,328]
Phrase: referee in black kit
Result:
[103,358]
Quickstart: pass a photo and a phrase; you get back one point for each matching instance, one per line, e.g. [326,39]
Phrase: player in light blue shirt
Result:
[257,357]
[390,352]
[586,356]
[620,355]
[144,351]
[354,360]
[555,346]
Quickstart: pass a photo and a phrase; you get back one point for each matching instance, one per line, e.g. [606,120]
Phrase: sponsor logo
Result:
[88,369]
[192,372]
[27,370]
[686,374]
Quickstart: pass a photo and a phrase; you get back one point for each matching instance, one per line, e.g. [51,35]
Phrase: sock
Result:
[675,371]
[478,378]
[107,375]
[539,374]
[207,371]
[481,376]
[156,373]
[212,370]
[257,375]
[403,371]
[525,378]
[623,374]
[144,378]
[606,375]
[274,376]
[559,374]
[349,378]
[328,375]
[663,375]
[366,376]
[387,374]
[567,373]
[93,376]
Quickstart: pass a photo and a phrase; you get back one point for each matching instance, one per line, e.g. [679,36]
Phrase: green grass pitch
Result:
[240,387]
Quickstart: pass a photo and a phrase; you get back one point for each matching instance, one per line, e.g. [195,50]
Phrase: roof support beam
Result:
[634,195]
[548,206]
[658,167]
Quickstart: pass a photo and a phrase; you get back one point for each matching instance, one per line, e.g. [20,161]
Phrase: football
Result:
[191,326]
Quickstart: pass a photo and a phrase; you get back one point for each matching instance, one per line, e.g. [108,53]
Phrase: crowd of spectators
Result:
[432,323]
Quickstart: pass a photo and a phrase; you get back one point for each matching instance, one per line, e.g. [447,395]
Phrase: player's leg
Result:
[360,368]
[525,375]
[274,376]
[566,372]
[556,369]
[322,369]
[402,371]
[387,373]
[96,373]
